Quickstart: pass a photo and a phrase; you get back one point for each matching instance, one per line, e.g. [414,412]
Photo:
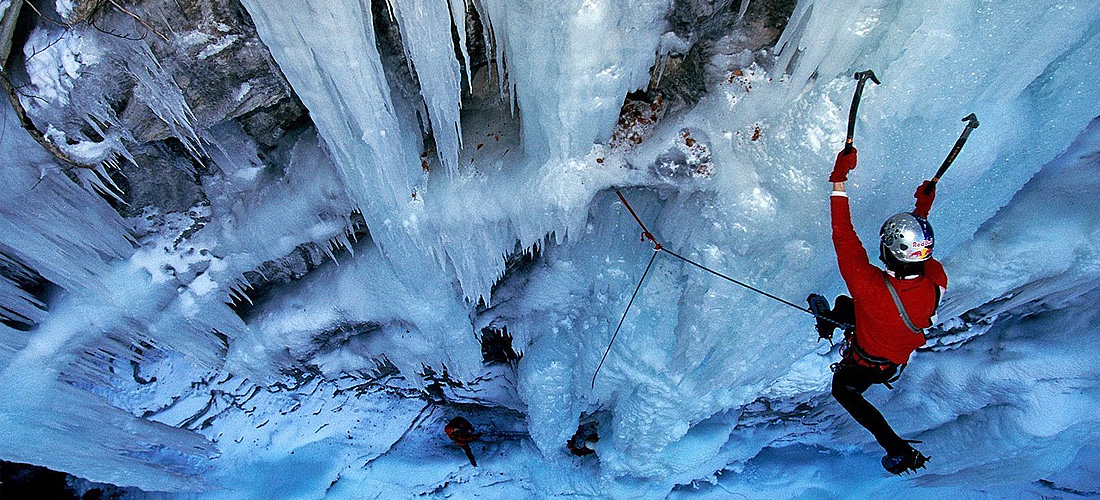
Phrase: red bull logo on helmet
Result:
[920,253]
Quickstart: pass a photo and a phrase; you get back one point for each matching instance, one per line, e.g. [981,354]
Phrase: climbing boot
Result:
[909,461]
[819,305]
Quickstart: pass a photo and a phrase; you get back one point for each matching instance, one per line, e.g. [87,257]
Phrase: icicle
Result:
[112,163]
[137,356]
[429,47]
[494,46]
[238,289]
[662,62]
[157,90]
[744,8]
[233,298]
[328,252]
[92,179]
[787,45]
[346,242]
[458,17]
[246,297]
[103,173]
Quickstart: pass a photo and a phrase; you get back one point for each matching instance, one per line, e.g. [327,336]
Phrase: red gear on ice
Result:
[461,431]
[880,330]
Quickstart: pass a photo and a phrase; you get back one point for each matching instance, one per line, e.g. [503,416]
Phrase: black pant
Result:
[850,381]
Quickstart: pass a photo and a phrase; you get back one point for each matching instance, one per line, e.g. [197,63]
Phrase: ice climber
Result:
[461,431]
[887,310]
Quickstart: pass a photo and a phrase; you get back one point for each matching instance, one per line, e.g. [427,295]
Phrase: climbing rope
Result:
[657,247]
[731,280]
[628,304]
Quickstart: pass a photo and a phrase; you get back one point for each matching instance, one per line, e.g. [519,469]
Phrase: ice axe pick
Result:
[862,76]
[972,123]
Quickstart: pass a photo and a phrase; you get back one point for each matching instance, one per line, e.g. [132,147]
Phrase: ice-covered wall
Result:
[540,50]
[698,346]
[486,202]
[72,238]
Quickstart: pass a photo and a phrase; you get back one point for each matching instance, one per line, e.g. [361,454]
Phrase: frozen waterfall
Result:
[288,293]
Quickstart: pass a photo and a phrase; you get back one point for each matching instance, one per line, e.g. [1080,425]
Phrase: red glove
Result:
[924,201]
[845,161]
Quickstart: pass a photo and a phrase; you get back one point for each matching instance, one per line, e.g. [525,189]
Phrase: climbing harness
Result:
[657,247]
[852,353]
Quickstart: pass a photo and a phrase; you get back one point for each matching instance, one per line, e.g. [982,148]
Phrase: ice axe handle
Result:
[972,123]
[862,76]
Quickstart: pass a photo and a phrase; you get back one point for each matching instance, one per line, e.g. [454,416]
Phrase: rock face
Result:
[717,37]
[206,56]
[145,80]
[80,10]
[208,52]
[215,57]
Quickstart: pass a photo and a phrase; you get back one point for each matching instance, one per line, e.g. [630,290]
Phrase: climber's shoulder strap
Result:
[901,307]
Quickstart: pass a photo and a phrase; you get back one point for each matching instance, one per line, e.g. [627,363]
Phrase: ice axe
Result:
[862,76]
[971,125]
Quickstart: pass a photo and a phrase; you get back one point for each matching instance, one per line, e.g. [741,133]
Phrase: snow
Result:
[64,7]
[54,60]
[219,46]
[337,383]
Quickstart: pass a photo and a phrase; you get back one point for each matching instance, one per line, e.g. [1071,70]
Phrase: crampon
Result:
[904,463]
[819,306]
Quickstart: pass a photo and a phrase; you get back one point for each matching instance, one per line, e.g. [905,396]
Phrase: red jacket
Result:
[880,331]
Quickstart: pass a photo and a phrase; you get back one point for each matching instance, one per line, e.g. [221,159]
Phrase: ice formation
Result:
[438,200]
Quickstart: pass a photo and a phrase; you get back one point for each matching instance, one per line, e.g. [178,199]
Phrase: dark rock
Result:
[267,125]
[29,481]
[476,48]
[496,346]
[701,20]
[83,9]
[403,82]
[165,177]
[215,57]
[714,27]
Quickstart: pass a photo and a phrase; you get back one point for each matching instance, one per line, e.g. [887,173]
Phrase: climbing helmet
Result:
[907,237]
